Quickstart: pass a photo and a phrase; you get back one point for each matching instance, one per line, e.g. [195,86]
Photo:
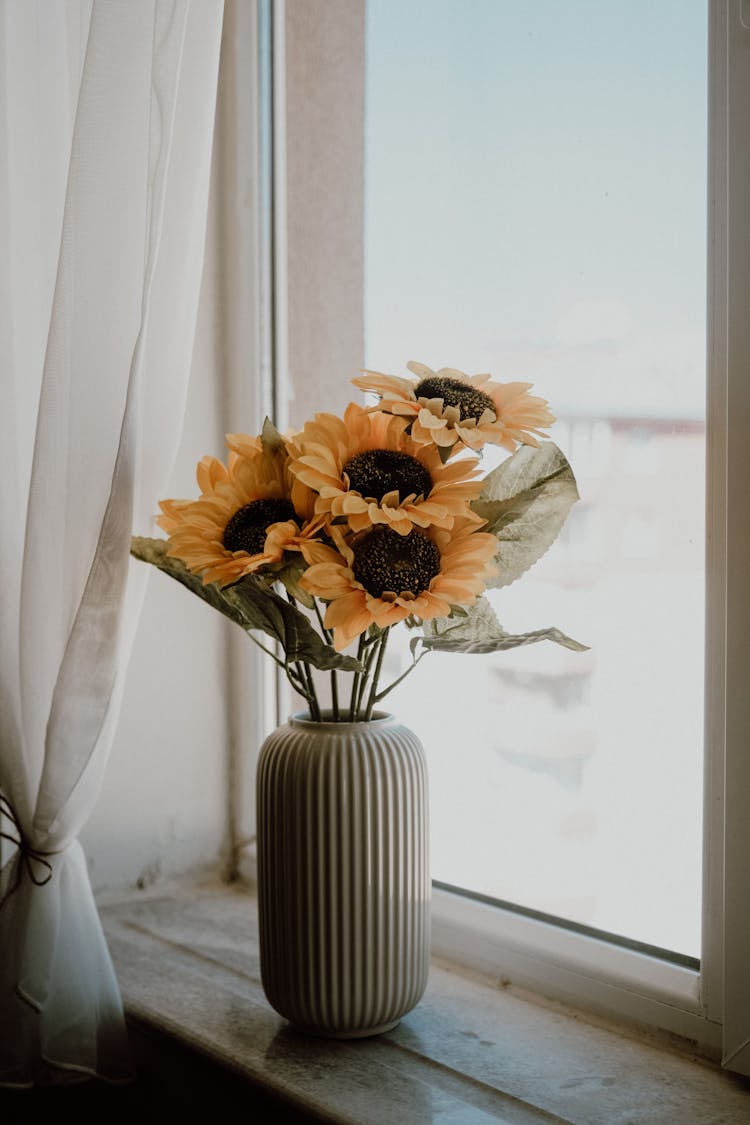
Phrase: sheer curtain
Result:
[106,124]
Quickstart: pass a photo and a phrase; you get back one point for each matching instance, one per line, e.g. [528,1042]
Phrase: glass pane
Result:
[536,208]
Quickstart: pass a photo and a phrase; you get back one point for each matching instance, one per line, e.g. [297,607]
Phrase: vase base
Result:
[364,1033]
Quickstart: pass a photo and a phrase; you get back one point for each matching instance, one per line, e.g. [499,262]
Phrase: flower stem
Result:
[312,697]
[362,686]
[327,633]
[300,688]
[376,676]
[334,697]
[389,689]
[356,678]
[304,673]
[328,638]
[268,651]
[296,678]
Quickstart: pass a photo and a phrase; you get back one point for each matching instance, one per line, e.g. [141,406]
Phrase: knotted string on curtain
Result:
[28,855]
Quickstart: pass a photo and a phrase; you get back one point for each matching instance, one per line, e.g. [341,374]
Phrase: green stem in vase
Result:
[298,680]
[389,689]
[313,695]
[334,697]
[376,676]
[327,633]
[295,676]
[356,678]
[303,671]
[364,678]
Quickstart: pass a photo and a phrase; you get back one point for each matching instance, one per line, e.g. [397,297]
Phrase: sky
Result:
[535,201]
[536,196]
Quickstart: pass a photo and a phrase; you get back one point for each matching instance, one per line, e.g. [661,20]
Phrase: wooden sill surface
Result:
[187,963]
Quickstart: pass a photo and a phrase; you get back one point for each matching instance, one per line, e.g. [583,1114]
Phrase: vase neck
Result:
[303,720]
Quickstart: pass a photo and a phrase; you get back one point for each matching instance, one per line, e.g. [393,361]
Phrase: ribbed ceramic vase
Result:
[343,874]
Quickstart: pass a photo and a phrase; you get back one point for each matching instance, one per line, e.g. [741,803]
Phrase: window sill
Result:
[187,962]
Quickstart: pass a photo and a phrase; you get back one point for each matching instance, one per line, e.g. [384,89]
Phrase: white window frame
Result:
[709,1005]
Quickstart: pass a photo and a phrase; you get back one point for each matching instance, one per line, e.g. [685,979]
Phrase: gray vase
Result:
[343,874]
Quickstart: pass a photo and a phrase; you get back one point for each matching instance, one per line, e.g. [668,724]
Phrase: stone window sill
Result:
[187,962]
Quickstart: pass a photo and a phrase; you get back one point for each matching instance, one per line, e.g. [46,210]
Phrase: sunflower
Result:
[378,577]
[249,512]
[447,406]
[366,470]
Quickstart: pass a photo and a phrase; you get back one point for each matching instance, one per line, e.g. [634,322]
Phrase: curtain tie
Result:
[28,856]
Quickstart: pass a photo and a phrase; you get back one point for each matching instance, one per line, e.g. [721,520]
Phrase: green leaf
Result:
[525,501]
[154,551]
[482,632]
[264,609]
[251,604]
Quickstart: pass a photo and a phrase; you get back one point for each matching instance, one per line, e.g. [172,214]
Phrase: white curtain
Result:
[106,124]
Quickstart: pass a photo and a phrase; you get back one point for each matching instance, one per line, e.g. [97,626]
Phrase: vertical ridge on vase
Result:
[337,907]
[300,886]
[409,936]
[317,917]
[389,833]
[362,920]
[344,907]
[402,792]
[392,837]
[379,888]
[422,919]
[343,881]
[305,968]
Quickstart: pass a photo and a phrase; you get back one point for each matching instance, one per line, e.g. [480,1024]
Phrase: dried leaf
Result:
[252,604]
[481,632]
[525,501]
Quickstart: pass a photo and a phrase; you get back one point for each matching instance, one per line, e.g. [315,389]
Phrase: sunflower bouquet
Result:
[326,538]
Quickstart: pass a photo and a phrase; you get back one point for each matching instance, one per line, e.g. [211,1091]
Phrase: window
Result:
[628,459]
[534,234]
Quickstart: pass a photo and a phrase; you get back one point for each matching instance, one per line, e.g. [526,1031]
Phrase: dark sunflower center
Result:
[386,561]
[379,471]
[246,530]
[470,402]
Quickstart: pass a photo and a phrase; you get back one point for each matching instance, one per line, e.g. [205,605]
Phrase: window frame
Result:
[710,1005]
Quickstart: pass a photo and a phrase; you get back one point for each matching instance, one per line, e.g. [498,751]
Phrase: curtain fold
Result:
[102,410]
